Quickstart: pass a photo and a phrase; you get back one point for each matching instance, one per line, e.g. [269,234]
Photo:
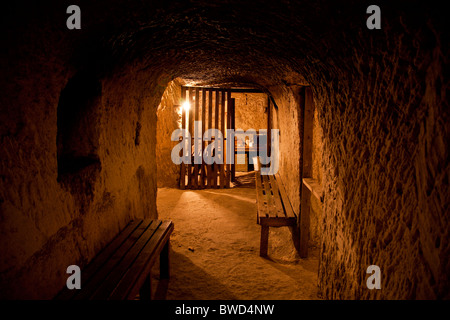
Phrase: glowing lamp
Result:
[186,105]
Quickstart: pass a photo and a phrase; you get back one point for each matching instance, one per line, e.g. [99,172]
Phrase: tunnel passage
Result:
[380,100]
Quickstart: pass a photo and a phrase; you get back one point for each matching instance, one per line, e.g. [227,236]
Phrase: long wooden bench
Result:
[274,207]
[123,268]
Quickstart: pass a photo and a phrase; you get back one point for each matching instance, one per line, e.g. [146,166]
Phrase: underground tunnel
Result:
[360,119]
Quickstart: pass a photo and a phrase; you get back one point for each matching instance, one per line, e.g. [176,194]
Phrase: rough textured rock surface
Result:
[48,224]
[289,121]
[382,105]
[250,110]
[169,119]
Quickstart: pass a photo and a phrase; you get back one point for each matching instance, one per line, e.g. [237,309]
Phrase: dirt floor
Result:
[215,249]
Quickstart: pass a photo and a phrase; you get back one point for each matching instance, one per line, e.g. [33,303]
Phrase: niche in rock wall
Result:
[78,131]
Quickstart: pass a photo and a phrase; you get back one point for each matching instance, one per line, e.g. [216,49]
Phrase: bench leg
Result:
[264,241]
[145,292]
[164,269]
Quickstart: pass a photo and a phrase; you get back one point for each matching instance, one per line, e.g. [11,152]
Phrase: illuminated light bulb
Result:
[186,105]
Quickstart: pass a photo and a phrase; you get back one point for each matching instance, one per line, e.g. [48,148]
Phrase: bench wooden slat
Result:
[123,267]
[274,207]
[314,186]
[136,275]
[277,221]
[276,197]
[87,289]
[286,202]
[114,277]
[261,198]
[100,259]
[270,204]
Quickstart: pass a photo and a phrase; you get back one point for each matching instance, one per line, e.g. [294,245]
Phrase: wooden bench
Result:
[274,207]
[123,268]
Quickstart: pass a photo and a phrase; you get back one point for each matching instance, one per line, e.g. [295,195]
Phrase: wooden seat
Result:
[274,207]
[122,269]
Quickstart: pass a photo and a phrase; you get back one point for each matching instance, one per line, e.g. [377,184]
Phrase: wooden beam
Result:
[264,243]
[196,118]
[222,128]
[203,144]
[210,117]
[304,221]
[277,221]
[235,90]
[229,107]
[233,126]
[191,124]
[315,188]
[164,261]
[269,127]
[308,134]
[216,126]
[183,126]
[305,200]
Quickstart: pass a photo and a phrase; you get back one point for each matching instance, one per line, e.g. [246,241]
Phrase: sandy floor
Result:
[215,249]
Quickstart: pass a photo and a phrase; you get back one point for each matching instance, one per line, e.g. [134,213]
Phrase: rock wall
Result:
[288,118]
[169,119]
[250,110]
[49,221]
[385,175]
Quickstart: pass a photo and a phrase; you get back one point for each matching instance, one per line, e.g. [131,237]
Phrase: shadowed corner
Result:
[210,287]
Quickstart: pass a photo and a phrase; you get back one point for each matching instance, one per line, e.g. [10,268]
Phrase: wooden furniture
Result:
[214,107]
[314,187]
[309,186]
[274,207]
[122,269]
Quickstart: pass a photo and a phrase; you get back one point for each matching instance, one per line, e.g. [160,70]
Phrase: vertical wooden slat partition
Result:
[229,108]
[190,125]
[195,142]
[215,109]
[210,112]
[232,126]
[202,168]
[305,198]
[222,128]
[183,125]
[216,125]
